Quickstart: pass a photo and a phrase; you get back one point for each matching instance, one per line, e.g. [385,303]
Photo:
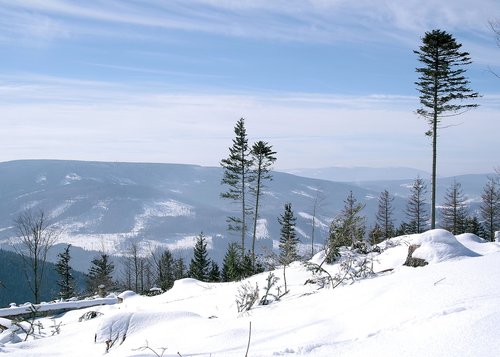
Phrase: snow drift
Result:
[447,308]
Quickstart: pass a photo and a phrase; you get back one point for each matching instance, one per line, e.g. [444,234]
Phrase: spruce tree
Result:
[231,267]
[384,216]
[100,273]
[214,275]
[288,237]
[66,279]
[237,176]
[443,88]
[180,269]
[166,270]
[454,210]
[347,229]
[472,225]
[416,210]
[490,207]
[200,263]
[263,158]
[288,240]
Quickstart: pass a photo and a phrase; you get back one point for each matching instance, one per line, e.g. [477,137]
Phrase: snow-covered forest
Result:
[364,304]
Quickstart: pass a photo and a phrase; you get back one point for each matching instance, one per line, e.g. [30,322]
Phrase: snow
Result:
[448,308]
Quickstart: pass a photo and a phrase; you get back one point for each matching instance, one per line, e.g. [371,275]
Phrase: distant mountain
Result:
[108,206]
[359,174]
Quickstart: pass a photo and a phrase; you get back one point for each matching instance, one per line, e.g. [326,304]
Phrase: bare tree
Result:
[454,209]
[490,207]
[36,236]
[416,206]
[384,214]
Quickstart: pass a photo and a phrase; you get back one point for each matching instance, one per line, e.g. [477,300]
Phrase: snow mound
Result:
[439,245]
[127,294]
[478,244]
[187,287]
[469,237]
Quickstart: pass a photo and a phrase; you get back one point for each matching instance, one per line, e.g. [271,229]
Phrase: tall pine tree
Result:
[263,158]
[443,88]
[237,175]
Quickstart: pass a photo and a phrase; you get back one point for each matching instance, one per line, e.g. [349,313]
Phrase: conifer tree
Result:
[416,210]
[180,269]
[288,240]
[200,263]
[384,216]
[288,237]
[237,176]
[214,275]
[472,225]
[231,270]
[454,210]
[490,207]
[66,279]
[347,229]
[100,273]
[443,88]
[166,270]
[263,158]
[376,235]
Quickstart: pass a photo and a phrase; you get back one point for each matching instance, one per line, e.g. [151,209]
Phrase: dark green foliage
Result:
[472,225]
[66,280]
[416,210]
[384,218]
[100,273]
[247,265]
[180,270]
[454,210]
[288,237]
[214,274]
[16,288]
[406,228]
[443,88]
[231,267]
[200,263]
[263,158]
[166,270]
[490,208]
[237,176]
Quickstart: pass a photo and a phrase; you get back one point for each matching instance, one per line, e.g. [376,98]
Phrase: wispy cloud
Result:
[73,119]
[292,20]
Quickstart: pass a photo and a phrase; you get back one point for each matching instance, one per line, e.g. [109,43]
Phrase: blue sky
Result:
[327,83]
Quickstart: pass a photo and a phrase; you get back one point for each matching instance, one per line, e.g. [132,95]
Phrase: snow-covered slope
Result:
[447,308]
[106,206]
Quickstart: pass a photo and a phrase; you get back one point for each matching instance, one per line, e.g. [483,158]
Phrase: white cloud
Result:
[128,124]
[292,20]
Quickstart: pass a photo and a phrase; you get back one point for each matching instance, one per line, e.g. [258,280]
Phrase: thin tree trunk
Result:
[254,235]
